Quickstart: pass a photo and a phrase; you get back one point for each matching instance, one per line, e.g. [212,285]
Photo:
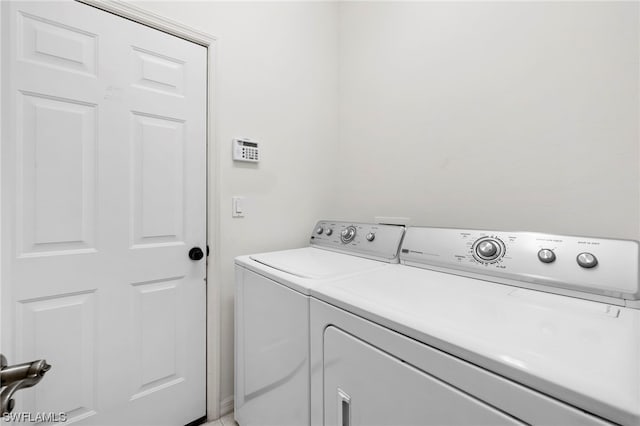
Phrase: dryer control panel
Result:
[593,268]
[375,241]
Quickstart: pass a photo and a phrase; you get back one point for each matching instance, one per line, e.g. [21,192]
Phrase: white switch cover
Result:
[238,207]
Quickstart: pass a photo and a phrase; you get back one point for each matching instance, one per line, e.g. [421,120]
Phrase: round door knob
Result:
[546,256]
[370,236]
[487,249]
[196,253]
[587,260]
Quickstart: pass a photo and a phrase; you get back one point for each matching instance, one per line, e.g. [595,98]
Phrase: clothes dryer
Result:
[466,333]
[272,315]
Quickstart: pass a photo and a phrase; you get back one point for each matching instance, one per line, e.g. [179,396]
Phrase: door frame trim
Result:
[153,20]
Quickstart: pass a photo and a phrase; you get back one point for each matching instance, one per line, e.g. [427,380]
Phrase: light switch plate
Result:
[238,207]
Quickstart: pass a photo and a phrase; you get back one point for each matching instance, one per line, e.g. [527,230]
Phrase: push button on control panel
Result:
[587,260]
[546,256]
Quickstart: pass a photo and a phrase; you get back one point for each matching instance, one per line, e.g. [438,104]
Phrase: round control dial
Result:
[488,250]
[329,231]
[319,230]
[546,256]
[348,234]
[370,236]
[587,260]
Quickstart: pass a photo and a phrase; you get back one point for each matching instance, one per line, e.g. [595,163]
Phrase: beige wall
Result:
[276,82]
[504,115]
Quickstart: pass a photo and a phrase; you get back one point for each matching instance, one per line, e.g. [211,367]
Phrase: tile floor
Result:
[223,421]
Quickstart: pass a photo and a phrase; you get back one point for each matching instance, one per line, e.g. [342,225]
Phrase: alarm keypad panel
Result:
[245,150]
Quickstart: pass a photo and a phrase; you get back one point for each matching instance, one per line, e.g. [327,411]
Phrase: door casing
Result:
[177,29]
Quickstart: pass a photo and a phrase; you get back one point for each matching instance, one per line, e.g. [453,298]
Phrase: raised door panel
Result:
[62,327]
[157,336]
[56,175]
[158,193]
[156,72]
[57,45]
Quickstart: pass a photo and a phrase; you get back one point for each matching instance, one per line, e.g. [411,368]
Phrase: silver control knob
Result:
[319,230]
[587,260]
[348,234]
[329,232]
[370,236]
[546,256]
[487,249]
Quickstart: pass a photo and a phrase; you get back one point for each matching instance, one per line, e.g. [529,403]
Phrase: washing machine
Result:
[272,315]
[481,328]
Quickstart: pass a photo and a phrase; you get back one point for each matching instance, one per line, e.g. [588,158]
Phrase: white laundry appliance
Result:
[272,315]
[481,328]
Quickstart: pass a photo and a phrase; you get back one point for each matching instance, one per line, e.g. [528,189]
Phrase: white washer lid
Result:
[315,263]
[583,352]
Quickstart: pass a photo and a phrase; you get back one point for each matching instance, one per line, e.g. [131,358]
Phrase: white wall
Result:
[503,115]
[276,82]
[507,115]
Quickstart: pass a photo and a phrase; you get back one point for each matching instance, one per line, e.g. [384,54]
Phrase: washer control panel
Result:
[570,265]
[381,242]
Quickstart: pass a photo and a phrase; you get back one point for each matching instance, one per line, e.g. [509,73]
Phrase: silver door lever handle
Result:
[16,377]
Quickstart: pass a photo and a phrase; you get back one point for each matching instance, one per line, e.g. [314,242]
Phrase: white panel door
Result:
[103,195]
